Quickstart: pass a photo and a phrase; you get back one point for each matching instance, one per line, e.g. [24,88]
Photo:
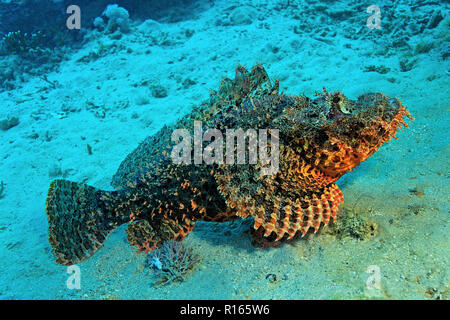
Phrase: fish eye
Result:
[336,99]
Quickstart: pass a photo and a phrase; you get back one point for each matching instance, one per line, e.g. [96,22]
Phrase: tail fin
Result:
[78,220]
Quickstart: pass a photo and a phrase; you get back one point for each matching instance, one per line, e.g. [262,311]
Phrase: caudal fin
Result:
[77,220]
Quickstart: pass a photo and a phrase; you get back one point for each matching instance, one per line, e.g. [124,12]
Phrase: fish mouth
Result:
[382,128]
[391,122]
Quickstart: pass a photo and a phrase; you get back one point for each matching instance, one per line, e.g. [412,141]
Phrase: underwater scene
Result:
[224,149]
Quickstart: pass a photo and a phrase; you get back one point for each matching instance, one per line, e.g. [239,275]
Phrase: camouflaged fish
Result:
[320,139]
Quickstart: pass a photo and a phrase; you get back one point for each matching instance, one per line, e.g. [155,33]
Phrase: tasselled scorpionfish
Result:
[319,140]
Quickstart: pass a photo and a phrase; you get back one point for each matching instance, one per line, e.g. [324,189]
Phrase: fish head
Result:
[356,129]
[335,134]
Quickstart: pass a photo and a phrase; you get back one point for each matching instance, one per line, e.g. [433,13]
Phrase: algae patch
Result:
[354,224]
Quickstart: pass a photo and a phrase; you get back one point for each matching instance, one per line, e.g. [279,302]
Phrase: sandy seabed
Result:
[107,103]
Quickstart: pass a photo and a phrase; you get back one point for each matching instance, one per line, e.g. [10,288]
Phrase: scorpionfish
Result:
[319,139]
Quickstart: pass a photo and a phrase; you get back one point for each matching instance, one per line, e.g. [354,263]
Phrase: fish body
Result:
[318,140]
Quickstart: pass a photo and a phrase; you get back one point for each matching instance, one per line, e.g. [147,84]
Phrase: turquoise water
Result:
[80,92]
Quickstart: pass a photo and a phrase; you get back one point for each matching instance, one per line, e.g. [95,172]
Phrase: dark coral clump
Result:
[20,43]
